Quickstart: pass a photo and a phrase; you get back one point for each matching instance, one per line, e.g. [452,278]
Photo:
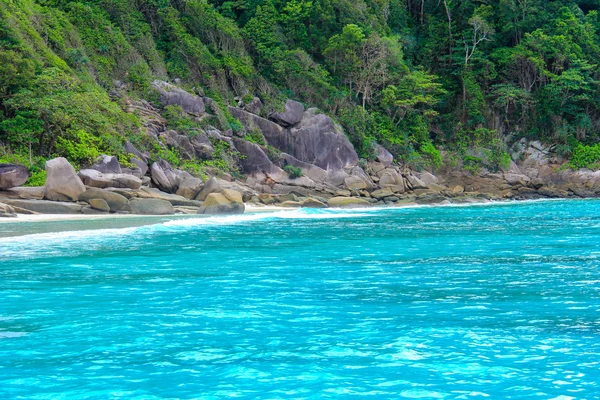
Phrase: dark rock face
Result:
[318,141]
[181,142]
[255,160]
[315,140]
[107,165]
[172,95]
[254,106]
[203,147]
[12,175]
[290,116]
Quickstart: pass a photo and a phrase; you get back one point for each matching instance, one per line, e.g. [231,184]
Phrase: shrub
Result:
[585,156]
[293,172]
[79,147]
[431,154]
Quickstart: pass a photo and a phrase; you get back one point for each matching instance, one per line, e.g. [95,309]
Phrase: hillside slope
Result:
[471,78]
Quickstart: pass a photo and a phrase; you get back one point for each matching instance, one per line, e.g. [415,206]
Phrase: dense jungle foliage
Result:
[467,76]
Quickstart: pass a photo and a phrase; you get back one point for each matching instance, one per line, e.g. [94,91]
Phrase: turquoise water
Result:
[495,301]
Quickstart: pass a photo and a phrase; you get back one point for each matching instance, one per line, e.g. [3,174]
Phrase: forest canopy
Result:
[470,77]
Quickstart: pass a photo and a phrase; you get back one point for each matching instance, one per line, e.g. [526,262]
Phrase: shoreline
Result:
[253,209]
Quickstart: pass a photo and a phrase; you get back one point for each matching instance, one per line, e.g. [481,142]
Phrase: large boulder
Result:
[189,187]
[203,147]
[107,165]
[151,207]
[291,115]
[347,202]
[211,186]
[62,182]
[114,200]
[172,95]
[29,192]
[317,140]
[7,211]
[12,175]
[227,202]
[383,155]
[46,207]
[97,179]
[164,176]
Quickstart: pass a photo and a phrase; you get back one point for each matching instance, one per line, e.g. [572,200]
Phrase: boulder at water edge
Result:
[347,202]
[226,202]
[151,207]
[12,175]
[62,182]
[114,200]
[7,211]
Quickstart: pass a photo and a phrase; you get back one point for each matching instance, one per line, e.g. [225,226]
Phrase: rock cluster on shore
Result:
[331,174]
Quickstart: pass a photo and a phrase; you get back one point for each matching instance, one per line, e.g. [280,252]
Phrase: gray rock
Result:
[254,106]
[227,202]
[46,207]
[172,95]
[211,186]
[29,193]
[62,182]
[428,178]
[291,115]
[203,147]
[100,205]
[107,165]
[131,149]
[97,179]
[7,211]
[383,155]
[89,210]
[164,177]
[114,200]
[151,207]
[189,187]
[347,202]
[12,175]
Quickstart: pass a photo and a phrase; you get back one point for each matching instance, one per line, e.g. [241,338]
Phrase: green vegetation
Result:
[470,76]
[293,172]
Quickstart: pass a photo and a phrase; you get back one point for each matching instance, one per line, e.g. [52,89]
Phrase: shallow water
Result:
[497,301]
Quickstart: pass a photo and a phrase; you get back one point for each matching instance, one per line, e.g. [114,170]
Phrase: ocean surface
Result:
[496,301]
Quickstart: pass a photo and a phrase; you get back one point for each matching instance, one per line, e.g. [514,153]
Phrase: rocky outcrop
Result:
[62,182]
[189,187]
[347,202]
[107,165]
[172,95]
[114,200]
[12,175]
[7,211]
[290,116]
[164,176]
[46,207]
[211,186]
[383,156]
[151,207]
[226,202]
[29,193]
[97,179]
